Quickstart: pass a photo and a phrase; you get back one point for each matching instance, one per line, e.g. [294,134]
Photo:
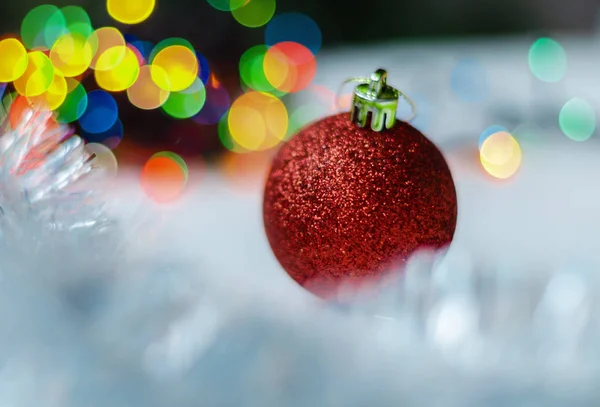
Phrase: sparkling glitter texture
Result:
[345,204]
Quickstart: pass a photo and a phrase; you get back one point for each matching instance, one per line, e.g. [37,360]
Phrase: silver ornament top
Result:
[376,103]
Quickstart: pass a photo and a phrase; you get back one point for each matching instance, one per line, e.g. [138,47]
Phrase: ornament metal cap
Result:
[375,102]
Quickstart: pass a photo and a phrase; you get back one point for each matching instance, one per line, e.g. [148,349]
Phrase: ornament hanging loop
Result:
[374,102]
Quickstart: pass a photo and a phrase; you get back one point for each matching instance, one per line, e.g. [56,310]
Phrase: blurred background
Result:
[223,38]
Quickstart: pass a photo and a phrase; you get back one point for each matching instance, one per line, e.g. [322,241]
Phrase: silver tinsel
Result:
[47,177]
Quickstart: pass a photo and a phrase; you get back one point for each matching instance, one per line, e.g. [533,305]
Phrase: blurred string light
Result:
[491,130]
[289,66]
[14,59]
[101,112]
[547,60]
[186,103]
[71,54]
[37,77]
[254,13]
[54,96]
[145,93]
[178,68]
[285,67]
[110,138]
[469,80]
[75,103]
[59,47]
[227,5]
[252,70]
[257,121]
[42,26]
[130,11]
[124,70]
[100,41]
[294,27]
[144,48]
[577,120]
[500,155]
[164,177]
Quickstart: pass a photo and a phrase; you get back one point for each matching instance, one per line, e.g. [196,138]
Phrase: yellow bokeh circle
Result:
[71,54]
[130,11]
[14,59]
[124,72]
[257,121]
[101,40]
[501,155]
[180,65]
[54,97]
[38,76]
[145,93]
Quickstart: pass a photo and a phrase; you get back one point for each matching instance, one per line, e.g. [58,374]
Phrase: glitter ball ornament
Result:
[352,196]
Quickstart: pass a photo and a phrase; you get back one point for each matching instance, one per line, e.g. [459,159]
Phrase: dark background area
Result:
[222,40]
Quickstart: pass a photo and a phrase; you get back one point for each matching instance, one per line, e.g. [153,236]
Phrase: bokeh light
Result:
[187,103]
[166,43]
[54,96]
[145,93]
[75,103]
[14,59]
[101,112]
[226,138]
[493,129]
[138,55]
[144,47]
[180,65]
[217,103]
[38,76]
[254,13]
[577,120]
[100,41]
[547,60]
[71,54]
[289,66]
[203,68]
[130,11]
[227,5]
[469,81]
[501,155]
[258,121]
[164,177]
[42,26]
[104,158]
[123,74]
[110,138]
[77,21]
[252,71]
[294,27]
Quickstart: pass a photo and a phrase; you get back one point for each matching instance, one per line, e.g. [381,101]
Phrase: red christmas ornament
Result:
[345,203]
